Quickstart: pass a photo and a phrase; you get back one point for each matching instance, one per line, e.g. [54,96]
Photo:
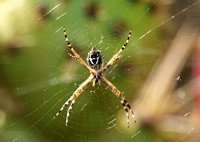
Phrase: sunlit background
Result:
[159,74]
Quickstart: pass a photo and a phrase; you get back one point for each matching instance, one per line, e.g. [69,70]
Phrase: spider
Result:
[94,66]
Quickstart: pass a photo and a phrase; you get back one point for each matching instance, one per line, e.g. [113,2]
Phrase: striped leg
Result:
[110,64]
[126,106]
[68,42]
[78,91]
[116,56]
[119,57]
[76,56]
[74,96]
[64,105]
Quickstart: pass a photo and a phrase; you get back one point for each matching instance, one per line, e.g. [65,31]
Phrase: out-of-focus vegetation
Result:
[37,76]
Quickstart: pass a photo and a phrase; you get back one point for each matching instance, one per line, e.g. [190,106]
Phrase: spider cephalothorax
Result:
[95,62]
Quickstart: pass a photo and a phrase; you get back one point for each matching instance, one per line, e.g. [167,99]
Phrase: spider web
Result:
[37,76]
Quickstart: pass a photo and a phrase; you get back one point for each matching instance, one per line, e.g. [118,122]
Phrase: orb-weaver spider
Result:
[96,70]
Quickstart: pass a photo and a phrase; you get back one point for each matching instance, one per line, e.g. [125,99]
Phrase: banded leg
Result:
[114,58]
[126,106]
[110,64]
[119,57]
[78,91]
[64,105]
[74,57]
[78,58]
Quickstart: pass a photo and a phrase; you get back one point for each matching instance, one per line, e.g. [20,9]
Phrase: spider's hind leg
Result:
[77,93]
[127,107]
[64,105]
[123,101]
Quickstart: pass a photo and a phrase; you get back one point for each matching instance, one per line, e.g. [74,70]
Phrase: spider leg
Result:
[119,57]
[76,55]
[125,104]
[64,105]
[110,64]
[78,91]
[116,56]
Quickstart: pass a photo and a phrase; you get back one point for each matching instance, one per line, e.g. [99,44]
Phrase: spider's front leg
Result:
[116,56]
[73,98]
[75,55]
[125,104]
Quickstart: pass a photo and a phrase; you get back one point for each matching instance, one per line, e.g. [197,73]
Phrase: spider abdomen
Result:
[95,59]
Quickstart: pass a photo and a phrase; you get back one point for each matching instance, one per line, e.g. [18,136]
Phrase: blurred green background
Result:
[37,76]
